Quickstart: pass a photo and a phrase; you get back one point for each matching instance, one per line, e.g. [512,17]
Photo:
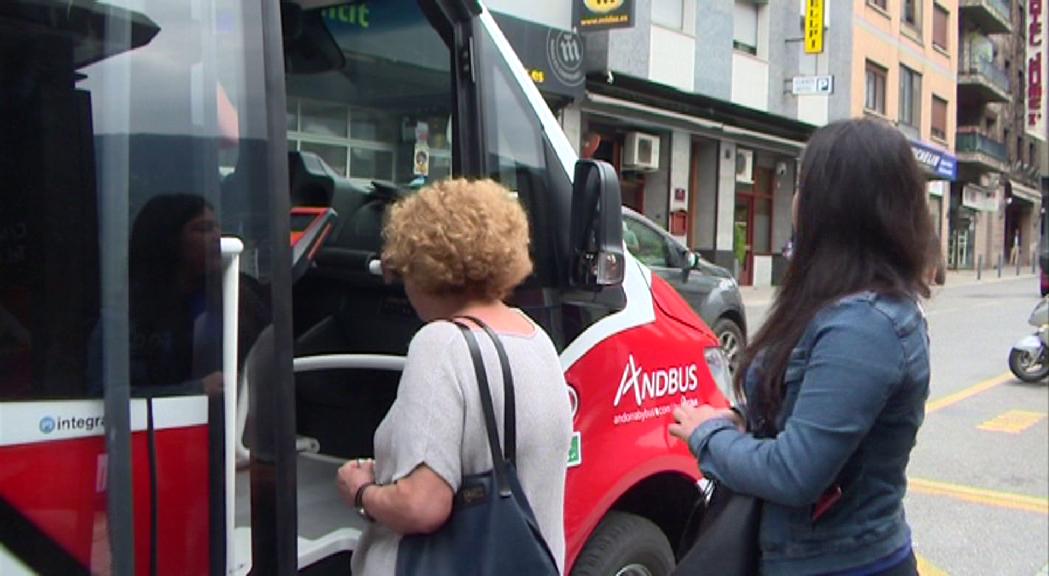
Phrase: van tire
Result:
[622,540]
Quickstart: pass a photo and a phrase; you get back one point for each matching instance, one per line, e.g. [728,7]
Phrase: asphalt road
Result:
[978,498]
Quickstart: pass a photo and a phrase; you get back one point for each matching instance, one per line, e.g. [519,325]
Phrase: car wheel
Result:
[625,545]
[732,340]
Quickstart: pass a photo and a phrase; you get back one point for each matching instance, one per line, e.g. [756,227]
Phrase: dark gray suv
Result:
[710,289]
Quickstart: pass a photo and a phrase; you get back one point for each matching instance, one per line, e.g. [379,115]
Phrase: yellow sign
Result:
[814,26]
[602,6]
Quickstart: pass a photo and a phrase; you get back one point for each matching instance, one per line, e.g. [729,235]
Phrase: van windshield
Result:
[384,113]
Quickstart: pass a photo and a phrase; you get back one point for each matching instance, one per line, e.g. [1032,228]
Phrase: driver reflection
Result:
[175,295]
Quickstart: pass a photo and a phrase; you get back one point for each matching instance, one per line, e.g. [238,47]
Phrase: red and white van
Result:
[165,409]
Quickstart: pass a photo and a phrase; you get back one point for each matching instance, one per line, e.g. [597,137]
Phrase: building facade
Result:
[1023,207]
[695,78]
[903,61]
[996,203]
[704,106]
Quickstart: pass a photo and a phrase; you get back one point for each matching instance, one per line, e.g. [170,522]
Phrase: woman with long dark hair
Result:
[832,389]
[174,267]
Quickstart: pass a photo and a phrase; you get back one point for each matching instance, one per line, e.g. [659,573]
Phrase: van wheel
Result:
[625,545]
[732,341]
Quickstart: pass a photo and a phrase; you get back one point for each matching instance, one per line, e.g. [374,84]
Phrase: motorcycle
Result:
[1029,358]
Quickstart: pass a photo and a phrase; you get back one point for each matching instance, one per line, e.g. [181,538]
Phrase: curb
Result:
[957,281]
[970,280]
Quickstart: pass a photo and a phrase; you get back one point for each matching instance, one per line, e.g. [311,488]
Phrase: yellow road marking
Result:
[926,568]
[941,403]
[980,495]
[1012,422]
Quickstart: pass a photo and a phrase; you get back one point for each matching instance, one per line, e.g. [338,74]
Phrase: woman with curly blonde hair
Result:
[460,248]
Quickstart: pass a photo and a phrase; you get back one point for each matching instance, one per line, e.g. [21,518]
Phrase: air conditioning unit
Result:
[744,165]
[641,152]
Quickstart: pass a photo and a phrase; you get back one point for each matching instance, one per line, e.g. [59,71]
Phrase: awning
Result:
[732,121]
[1025,193]
[661,117]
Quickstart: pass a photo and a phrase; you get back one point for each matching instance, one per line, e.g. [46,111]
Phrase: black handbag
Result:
[721,536]
[492,529]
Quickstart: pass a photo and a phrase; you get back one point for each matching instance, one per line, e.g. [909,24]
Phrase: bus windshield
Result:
[385,112]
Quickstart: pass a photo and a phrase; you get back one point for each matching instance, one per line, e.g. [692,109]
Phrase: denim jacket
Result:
[855,392]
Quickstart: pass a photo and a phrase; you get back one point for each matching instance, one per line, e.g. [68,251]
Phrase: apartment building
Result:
[721,95]
[996,202]
[903,61]
[682,102]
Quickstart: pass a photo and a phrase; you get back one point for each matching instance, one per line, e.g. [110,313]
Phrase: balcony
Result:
[983,152]
[983,81]
[993,16]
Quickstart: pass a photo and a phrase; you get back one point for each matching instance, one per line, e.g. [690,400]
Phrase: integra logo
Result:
[74,423]
[47,424]
[656,384]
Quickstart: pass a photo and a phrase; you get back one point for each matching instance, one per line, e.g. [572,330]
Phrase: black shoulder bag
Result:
[721,536]
[492,529]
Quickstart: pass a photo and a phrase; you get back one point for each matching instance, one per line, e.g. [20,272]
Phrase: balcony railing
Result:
[1002,8]
[986,68]
[993,16]
[976,143]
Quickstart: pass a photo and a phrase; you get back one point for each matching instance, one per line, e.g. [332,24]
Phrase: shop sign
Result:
[939,164]
[1036,69]
[553,57]
[602,14]
[979,199]
[809,85]
[814,26]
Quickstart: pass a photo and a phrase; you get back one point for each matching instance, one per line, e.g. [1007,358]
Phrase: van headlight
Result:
[719,370]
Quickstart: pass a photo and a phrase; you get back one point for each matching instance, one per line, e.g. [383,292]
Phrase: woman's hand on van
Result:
[688,418]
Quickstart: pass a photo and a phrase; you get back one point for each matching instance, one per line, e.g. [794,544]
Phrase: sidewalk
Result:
[763,296]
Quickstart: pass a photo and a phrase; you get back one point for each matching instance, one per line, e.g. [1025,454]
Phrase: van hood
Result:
[669,302]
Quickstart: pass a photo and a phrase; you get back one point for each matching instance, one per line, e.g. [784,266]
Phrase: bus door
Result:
[134,135]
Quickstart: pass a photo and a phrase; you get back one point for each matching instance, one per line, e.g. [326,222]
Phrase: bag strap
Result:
[499,465]
[509,400]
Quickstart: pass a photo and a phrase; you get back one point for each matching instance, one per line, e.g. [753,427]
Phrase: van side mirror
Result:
[596,233]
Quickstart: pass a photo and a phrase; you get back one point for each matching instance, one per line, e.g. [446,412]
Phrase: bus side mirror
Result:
[596,234]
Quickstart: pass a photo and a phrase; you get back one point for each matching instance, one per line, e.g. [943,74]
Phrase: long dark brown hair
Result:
[862,224]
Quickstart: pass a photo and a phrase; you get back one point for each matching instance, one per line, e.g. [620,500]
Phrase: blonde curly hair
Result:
[459,236]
